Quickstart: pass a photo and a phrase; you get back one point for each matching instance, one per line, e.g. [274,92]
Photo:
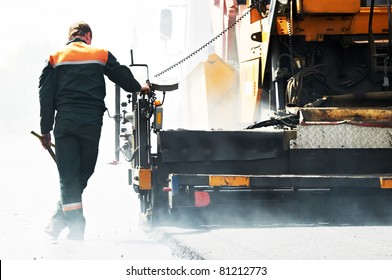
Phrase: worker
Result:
[71,95]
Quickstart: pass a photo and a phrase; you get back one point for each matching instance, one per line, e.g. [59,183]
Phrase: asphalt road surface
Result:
[28,193]
[281,241]
[29,190]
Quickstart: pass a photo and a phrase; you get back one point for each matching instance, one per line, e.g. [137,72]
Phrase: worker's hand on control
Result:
[46,140]
[145,88]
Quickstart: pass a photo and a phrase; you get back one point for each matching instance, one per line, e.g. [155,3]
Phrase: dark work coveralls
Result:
[72,84]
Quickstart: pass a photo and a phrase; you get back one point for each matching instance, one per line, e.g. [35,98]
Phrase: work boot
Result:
[76,224]
[56,223]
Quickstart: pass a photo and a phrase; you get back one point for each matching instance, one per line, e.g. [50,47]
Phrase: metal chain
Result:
[209,42]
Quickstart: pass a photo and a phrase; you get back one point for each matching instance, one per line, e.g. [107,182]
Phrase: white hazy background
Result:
[31,30]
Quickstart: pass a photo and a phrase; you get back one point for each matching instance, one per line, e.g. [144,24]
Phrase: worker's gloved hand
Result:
[145,88]
[46,140]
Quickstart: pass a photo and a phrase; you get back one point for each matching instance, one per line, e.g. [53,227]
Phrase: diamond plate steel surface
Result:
[341,136]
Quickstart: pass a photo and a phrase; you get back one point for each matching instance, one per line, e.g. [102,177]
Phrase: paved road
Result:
[354,233]
[29,190]
[283,243]
[311,228]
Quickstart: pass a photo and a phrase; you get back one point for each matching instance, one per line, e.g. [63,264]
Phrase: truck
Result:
[311,82]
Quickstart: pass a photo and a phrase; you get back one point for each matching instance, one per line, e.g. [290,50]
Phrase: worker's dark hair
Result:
[79,29]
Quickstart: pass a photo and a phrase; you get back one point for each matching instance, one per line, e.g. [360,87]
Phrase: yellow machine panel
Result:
[328,6]
[250,93]
[230,181]
[386,183]
[210,100]
[314,26]
[144,179]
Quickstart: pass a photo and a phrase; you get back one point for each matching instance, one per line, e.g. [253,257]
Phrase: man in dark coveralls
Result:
[72,84]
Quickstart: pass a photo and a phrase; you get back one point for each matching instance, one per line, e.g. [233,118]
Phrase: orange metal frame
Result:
[314,24]
[314,27]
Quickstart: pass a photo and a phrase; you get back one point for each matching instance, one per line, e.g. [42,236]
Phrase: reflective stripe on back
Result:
[80,62]
[79,53]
